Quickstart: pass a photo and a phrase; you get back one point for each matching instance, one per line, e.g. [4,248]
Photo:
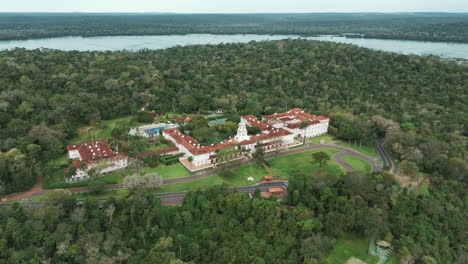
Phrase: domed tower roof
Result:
[241,133]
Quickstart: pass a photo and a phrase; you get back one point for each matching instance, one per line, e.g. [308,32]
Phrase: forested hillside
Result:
[418,104]
[220,227]
[409,26]
[45,95]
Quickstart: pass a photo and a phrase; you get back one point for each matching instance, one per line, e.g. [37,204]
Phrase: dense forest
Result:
[406,26]
[418,104]
[216,226]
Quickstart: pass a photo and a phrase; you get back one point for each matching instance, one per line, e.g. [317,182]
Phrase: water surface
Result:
[133,43]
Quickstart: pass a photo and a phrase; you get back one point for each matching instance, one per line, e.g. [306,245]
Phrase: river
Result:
[133,43]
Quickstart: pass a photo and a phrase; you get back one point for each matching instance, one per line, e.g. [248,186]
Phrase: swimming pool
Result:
[155,130]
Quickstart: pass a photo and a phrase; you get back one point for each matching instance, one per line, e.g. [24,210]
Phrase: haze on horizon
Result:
[237,6]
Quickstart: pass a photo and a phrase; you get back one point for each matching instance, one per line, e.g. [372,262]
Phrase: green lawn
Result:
[203,183]
[366,150]
[155,146]
[103,131]
[238,180]
[303,161]
[242,173]
[327,139]
[170,171]
[348,247]
[168,117]
[358,164]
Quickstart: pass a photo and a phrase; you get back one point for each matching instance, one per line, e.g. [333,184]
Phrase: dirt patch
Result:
[353,260]
[409,182]
[36,189]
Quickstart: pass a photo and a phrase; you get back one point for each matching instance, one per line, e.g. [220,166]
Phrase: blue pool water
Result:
[155,130]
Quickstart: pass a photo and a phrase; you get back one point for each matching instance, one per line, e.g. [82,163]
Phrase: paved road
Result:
[347,152]
[310,146]
[177,198]
[34,191]
[384,156]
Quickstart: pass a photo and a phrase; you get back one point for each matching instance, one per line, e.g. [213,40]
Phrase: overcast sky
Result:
[233,6]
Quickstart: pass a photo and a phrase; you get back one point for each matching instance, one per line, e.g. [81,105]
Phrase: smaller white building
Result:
[95,155]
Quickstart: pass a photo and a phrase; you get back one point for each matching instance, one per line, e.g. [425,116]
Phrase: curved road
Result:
[177,198]
[337,157]
[387,161]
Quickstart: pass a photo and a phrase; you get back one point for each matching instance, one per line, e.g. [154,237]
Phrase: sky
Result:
[234,6]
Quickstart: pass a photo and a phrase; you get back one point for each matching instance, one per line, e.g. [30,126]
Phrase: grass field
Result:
[366,150]
[327,139]
[242,173]
[358,164]
[155,146]
[170,171]
[200,184]
[103,131]
[168,117]
[282,166]
[350,246]
[239,179]
[303,161]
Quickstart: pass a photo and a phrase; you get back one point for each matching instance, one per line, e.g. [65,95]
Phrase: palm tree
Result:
[304,124]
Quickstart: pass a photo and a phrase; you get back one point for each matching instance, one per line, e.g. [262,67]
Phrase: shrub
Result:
[96,187]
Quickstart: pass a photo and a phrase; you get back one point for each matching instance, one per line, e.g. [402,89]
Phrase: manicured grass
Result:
[358,164]
[282,165]
[327,139]
[155,146]
[350,247]
[170,171]
[304,162]
[169,117]
[203,183]
[103,131]
[366,150]
[242,173]
[238,180]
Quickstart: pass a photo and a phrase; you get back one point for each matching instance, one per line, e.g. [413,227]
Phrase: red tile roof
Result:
[296,114]
[95,150]
[253,121]
[195,148]
[185,119]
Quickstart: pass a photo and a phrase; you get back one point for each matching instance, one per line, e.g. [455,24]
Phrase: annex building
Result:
[278,131]
[94,155]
